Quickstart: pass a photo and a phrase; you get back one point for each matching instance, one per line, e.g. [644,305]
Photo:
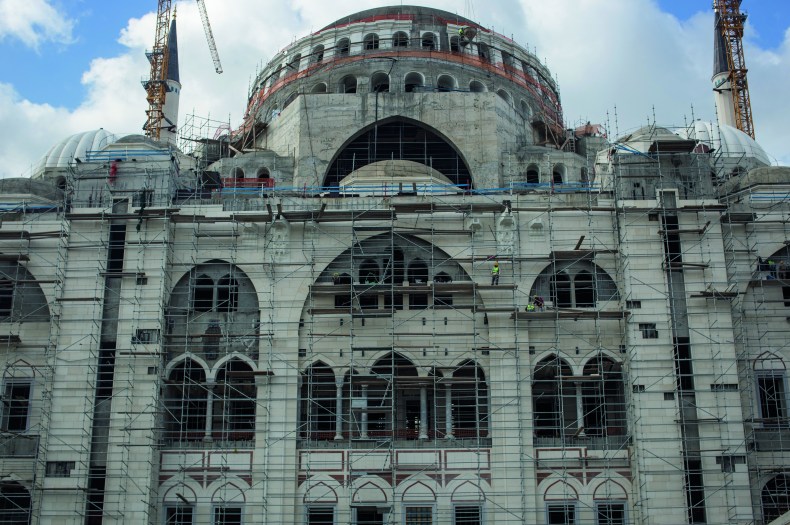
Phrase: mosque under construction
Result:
[298,321]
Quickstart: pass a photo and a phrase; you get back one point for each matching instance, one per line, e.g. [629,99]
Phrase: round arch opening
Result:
[399,139]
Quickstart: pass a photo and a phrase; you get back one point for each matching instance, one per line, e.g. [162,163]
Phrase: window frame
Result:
[310,507]
[416,504]
[610,502]
[6,405]
[459,504]
[780,421]
[217,506]
[173,505]
[573,504]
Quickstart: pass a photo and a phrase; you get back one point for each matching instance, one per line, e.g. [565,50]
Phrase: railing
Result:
[591,442]
[219,440]
[247,183]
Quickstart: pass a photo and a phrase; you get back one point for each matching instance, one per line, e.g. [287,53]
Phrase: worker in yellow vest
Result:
[495,274]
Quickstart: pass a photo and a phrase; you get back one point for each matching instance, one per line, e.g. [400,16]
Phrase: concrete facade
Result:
[297,323]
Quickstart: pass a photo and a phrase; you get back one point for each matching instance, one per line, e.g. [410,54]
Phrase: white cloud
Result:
[623,53]
[34,22]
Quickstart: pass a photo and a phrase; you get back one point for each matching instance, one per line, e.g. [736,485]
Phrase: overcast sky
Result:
[76,65]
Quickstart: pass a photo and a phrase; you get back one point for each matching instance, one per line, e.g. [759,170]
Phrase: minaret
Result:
[173,88]
[722,83]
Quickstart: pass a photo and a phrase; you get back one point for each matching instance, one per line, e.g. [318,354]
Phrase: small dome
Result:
[728,142]
[62,154]
[733,151]
[641,139]
[386,176]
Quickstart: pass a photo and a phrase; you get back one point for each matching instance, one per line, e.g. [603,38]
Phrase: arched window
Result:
[561,290]
[318,54]
[296,60]
[290,98]
[319,88]
[418,272]
[477,87]
[553,400]
[380,83]
[60,183]
[318,403]
[400,39]
[234,402]
[470,401]
[15,503]
[185,402]
[525,111]
[603,398]
[775,497]
[445,83]
[558,174]
[343,47]
[369,272]
[483,52]
[504,95]
[203,294]
[429,41]
[263,173]
[584,289]
[371,41]
[227,294]
[533,174]
[579,284]
[399,405]
[348,84]
[237,173]
[414,81]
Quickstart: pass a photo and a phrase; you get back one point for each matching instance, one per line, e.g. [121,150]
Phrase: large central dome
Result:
[405,12]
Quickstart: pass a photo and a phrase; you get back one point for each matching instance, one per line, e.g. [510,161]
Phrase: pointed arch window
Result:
[234,402]
[185,403]
[584,289]
[470,401]
[775,497]
[603,398]
[318,403]
[553,400]
[203,294]
[561,290]
[227,294]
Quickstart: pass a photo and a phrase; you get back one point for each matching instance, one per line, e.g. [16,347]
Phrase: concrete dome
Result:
[404,11]
[62,154]
[731,147]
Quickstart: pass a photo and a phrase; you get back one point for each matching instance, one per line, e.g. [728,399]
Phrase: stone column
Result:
[338,409]
[448,411]
[423,413]
[364,415]
[579,410]
[209,411]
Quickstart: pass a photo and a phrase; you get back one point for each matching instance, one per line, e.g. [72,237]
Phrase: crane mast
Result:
[212,46]
[156,85]
[730,24]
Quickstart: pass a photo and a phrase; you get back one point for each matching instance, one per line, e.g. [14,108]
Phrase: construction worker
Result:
[538,302]
[495,274]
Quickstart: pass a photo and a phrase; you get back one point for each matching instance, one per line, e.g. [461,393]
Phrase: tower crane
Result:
[159,56]
[729,25]
[209,36]
[156,85]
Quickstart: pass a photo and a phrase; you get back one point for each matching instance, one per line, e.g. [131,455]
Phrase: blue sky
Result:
[73,65]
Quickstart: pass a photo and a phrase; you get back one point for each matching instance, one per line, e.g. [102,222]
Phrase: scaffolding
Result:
[319,357]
